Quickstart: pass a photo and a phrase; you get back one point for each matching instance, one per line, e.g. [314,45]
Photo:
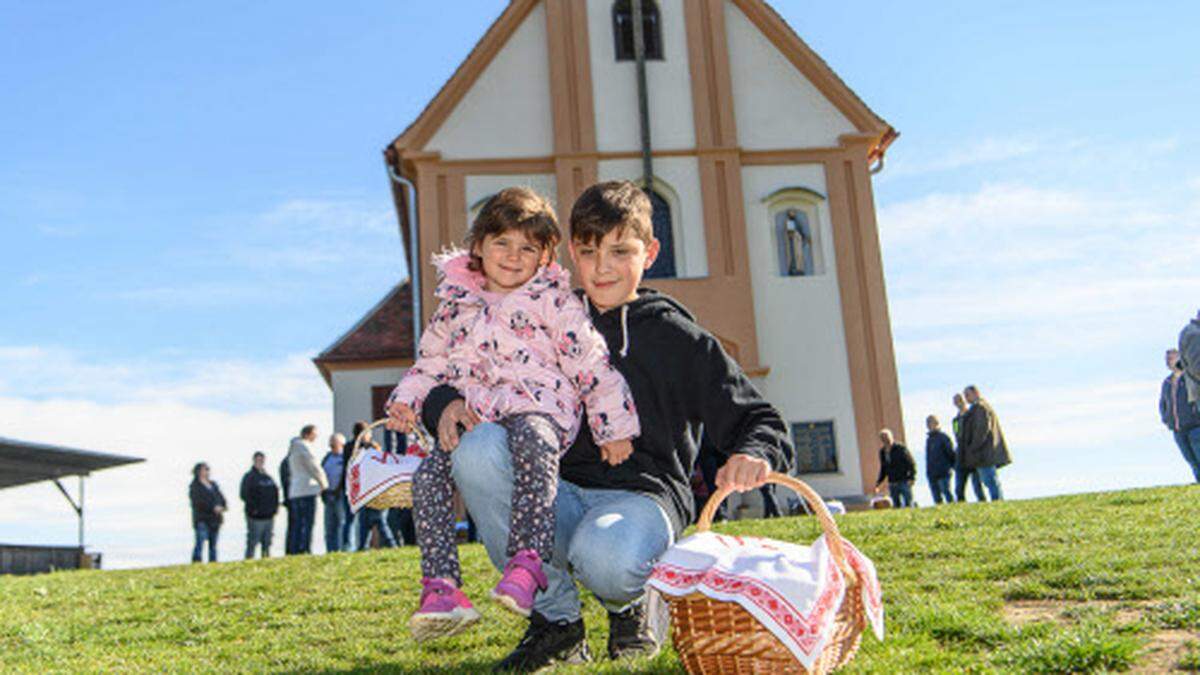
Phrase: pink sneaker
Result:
[523,578]
[444,611]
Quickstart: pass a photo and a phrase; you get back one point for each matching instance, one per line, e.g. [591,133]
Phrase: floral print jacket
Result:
[533,350]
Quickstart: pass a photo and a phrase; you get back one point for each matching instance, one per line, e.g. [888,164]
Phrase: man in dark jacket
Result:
[285,480]
[961,472]
[897,466]
[1189,357]
[939,460]
[261,497]
[1179,415]
[614,521]
[334,498]
[983,447]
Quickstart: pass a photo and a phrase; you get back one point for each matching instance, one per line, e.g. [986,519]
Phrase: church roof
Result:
[761,14]
[384,333]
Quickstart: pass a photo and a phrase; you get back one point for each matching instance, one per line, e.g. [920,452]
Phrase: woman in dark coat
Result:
[208,505]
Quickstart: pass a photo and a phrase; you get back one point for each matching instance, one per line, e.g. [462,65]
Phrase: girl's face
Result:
[204,473]
[509,260]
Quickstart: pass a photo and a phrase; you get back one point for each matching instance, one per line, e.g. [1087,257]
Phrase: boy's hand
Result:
[743,472]
[616,452]
[456,413]
[401,418]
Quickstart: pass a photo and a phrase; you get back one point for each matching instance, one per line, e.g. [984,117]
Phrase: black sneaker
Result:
[639,630]
[546,643]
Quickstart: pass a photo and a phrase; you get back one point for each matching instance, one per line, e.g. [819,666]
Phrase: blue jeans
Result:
[940,487]
[960,484]
[204,533]
[1189,444]
[303,511]
[991,481]
[369,518]
[336,512]
[901,494]
[607,539]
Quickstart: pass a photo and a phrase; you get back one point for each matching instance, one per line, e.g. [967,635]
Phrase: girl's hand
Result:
[401,418]
[616,452]
[455,414]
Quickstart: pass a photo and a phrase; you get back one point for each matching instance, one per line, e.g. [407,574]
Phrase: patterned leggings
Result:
[534,440]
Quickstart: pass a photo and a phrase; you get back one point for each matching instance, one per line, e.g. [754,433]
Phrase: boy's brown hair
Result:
[515,208]
[608,206]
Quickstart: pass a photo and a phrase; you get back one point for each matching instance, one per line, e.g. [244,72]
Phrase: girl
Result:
[510,336]
[208,505]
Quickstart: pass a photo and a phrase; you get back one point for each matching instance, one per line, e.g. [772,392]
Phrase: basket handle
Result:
[832,536]
[418,429]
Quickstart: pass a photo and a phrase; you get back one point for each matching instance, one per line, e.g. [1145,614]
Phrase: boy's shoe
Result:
[523,578]
[640,629]
[546,643]
[444,611]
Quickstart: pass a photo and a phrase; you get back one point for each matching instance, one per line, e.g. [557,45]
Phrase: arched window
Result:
[623,30]
[664,266]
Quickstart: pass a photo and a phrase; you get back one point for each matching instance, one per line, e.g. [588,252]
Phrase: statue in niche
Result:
[795,244]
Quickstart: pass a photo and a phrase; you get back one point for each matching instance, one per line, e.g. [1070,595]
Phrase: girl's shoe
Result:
[523,578]
[444,611]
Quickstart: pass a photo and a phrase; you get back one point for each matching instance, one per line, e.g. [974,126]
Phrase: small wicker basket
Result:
[399,496]
[712,636]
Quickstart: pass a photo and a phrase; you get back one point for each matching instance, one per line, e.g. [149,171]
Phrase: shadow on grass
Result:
[479,665]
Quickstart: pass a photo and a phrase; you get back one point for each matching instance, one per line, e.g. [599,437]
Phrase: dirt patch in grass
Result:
[1022,612]
[1164,651]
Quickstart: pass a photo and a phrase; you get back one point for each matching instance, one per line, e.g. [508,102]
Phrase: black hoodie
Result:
[681,381]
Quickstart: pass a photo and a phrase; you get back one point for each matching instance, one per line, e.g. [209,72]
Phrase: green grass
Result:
[1107,571]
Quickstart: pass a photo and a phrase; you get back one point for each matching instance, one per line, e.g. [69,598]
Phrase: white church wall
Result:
[479,188]
[800,332]
[774,104]
[680,176]
[511,98]
[614,84]
[352,394]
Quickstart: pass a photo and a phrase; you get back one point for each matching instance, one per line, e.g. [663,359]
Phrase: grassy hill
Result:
[1083,583]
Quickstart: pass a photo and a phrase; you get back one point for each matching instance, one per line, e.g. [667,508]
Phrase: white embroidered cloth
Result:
[794,591]
[374,471]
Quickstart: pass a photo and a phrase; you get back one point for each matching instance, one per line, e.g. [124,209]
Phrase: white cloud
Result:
[981,151]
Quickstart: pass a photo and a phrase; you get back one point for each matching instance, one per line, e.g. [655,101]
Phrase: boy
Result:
[613,522]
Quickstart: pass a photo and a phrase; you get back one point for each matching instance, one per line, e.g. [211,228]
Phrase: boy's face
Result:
[509,260]
[611,270]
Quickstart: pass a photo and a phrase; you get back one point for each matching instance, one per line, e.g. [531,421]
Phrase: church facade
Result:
[758,159]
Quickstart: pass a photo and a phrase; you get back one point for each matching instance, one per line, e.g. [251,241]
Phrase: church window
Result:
[664,232]
[651,30]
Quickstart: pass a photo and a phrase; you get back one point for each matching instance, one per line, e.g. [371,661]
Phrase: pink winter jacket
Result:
[533,350]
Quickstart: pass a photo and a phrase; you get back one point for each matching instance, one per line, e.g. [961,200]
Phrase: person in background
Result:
[261,496]
[939,460]
[334,497]
[208,507]
[961,472]
[285,480]
[983,446]
[1189,358]
[897,466]
[1180,416]
[307,480]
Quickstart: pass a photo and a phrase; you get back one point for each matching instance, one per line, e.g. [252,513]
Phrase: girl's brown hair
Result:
[514,208]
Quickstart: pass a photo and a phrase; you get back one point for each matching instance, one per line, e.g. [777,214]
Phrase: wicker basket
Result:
[712,636]
[399,496]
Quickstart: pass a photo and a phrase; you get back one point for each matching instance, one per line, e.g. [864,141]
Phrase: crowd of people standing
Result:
[976,453]
[303,481]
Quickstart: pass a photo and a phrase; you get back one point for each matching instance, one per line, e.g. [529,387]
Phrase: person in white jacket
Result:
[306,481]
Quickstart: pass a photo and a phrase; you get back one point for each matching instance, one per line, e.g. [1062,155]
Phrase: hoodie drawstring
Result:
[625,330]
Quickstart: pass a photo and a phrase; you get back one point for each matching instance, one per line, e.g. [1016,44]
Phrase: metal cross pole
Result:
[78,507]
[639,55]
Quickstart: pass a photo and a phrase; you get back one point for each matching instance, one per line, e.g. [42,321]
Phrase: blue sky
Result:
[193,203]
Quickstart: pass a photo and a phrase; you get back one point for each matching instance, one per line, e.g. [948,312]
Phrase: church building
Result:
[758,159]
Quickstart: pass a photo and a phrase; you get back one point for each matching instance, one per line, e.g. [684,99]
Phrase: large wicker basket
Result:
[399,496]
[712,636]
